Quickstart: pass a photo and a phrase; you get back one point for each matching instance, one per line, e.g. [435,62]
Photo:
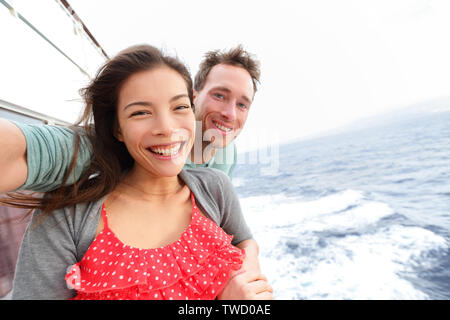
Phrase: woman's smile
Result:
[167,151]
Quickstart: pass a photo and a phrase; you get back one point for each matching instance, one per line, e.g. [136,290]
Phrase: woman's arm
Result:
[37,157]
[13,160]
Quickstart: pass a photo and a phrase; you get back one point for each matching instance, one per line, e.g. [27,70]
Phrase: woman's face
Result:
[156,121]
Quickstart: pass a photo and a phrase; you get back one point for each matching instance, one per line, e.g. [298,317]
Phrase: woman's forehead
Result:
[157,85]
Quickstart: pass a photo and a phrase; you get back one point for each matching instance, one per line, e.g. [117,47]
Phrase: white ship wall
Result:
[33,74]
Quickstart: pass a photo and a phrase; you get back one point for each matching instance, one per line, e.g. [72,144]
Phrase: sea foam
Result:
[335,248]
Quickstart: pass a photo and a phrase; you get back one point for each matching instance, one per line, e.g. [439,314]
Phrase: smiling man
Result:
[224,88]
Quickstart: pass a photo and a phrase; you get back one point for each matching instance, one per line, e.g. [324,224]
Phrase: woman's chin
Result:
[169,172]
[168,168]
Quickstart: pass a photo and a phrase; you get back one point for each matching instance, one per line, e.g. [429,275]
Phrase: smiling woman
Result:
[156,124]
[136,225]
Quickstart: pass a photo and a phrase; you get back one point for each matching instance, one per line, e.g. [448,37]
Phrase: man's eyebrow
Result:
[149,104]
[246,99]
[220,88]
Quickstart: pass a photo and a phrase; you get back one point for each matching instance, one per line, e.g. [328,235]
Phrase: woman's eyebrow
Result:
[141,103]
[149,104]
[178,96]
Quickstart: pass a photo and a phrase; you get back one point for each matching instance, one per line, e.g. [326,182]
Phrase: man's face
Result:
[223,104]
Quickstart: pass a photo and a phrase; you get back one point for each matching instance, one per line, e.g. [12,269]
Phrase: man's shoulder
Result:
[73,214]
[206,180]
[210,186]
[206,175]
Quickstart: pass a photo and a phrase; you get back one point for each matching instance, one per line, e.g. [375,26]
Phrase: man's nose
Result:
[229,111]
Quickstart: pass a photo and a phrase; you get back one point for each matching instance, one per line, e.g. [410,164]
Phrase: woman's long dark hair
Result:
[110,157]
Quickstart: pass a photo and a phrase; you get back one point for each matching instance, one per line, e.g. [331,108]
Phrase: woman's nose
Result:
[164,125]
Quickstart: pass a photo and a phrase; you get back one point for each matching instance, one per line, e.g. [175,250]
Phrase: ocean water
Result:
[356,215]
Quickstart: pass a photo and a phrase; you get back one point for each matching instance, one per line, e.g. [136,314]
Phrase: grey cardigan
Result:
[62,240]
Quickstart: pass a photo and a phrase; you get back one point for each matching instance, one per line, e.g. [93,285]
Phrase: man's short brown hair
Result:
[236,57]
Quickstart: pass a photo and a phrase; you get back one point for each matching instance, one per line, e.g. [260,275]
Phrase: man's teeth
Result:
[222,127]
[167,151]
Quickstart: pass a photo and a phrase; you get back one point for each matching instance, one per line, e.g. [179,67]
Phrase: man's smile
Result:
[222,126]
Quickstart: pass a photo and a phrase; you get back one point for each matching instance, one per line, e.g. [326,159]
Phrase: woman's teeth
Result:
[222,127]
[166,151]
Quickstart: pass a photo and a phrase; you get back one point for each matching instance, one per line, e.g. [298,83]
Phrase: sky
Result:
[325,63]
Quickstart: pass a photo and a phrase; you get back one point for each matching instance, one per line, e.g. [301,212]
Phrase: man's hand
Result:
[247,286]
[247,283]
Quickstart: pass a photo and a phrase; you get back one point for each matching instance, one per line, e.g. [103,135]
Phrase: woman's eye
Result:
[182,107]
[139,113]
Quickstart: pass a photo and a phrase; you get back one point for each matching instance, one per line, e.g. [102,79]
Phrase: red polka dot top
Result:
[197,266]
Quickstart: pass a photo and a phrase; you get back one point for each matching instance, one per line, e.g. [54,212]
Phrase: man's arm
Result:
[47,251]
[248,282]
[13,159]
[251,261]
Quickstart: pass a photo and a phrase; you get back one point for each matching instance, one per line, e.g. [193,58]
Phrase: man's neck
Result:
[205,155]
[202,151]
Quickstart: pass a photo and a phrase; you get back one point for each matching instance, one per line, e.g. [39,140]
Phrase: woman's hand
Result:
[13,159]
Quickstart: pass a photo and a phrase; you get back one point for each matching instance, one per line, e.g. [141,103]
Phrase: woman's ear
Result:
[116,131]
[118,135]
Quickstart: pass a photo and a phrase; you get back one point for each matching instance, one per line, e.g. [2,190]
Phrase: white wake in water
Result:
[332,248]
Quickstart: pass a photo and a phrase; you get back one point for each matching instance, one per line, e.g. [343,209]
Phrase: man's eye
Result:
[242,106]
[218,95]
